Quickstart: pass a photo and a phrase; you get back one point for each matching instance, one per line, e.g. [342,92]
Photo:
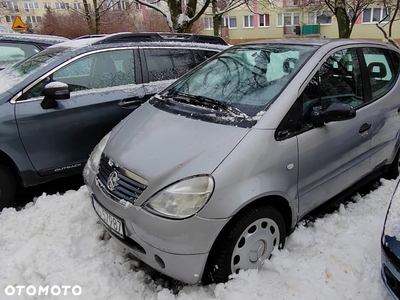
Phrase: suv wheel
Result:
[249,240]
[8,187]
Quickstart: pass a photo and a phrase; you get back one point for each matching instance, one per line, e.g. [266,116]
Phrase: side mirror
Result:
[54,91]
[334,112]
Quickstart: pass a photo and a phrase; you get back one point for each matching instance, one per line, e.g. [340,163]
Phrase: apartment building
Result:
[294,19]
[32,12]
[290,18]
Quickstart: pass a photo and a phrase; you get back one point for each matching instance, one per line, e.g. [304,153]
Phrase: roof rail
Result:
[89,36]
[160,37]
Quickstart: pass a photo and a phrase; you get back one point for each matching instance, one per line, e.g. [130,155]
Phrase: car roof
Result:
[36,38]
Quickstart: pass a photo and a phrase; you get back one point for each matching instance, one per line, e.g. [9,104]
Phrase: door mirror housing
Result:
[54,91]
[334,112]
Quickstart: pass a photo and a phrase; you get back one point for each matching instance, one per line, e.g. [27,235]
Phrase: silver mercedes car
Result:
[210,175]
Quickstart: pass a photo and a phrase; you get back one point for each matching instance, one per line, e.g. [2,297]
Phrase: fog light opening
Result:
[391,280]
[159,261]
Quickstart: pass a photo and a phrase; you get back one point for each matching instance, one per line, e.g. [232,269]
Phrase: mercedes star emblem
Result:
[112,181]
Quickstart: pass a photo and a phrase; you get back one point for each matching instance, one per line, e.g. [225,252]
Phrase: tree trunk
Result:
[344,26]
[217,21]
[217,18]
[88,16]
[175,8]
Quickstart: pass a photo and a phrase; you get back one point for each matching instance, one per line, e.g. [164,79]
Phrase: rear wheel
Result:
[248,241]
[8,187]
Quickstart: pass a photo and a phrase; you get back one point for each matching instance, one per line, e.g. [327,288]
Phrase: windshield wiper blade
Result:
[206,102]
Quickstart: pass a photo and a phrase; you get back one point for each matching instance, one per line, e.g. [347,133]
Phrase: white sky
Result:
[56,241]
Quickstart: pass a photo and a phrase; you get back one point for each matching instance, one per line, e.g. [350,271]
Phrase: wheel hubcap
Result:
[255,244]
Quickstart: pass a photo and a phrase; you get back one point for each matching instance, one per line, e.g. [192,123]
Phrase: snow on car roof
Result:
[39,38]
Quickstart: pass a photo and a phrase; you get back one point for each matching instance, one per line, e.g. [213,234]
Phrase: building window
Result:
[34,19]
[30,5]
[248,21]
[374,15]
[208,23]
[137,5]
[10,5]
[288,19]
[10,19]
[263,20]
[124,5]
[291,3]
[77,6]
[230,22]
[61,5]
[320,17]
[47,4]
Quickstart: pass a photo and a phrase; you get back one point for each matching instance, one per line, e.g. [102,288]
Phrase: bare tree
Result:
[180,15]
[347,13]
[386,24]
[221,7]
[71,25]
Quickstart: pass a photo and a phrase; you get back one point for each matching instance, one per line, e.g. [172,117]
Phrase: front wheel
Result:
[8,187]
[248,241]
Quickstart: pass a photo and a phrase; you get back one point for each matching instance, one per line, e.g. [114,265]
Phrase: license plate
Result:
[114,223]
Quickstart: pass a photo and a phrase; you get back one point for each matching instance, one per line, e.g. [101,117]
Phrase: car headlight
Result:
[182,199]
[94,159]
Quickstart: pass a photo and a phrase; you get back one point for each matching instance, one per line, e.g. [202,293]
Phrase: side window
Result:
[98,70]
[165,64]
[202,55]
[183,61]
[380,70]
[338,80]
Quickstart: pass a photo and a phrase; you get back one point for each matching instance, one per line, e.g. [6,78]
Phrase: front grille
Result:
[122,185]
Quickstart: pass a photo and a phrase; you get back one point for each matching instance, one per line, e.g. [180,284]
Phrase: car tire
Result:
[8,187]
[247,241]
[393,171]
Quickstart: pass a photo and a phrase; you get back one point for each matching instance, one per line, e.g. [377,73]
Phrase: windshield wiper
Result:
[206,102]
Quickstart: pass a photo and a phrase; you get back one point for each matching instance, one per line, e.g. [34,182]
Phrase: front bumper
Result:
[177,248]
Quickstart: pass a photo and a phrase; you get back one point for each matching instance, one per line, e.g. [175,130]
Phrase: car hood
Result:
[163,147]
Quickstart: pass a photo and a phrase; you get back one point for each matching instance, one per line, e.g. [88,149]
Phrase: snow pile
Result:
[58,241]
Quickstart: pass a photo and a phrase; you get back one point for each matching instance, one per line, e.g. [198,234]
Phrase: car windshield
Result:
[18,72]
[246,78]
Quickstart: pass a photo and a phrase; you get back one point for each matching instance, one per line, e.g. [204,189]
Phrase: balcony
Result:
[310,30]
[305,30]
[301,3]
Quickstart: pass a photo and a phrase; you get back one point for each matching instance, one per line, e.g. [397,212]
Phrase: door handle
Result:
[364,127]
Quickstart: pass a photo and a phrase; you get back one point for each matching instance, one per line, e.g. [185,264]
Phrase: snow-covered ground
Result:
[58,241]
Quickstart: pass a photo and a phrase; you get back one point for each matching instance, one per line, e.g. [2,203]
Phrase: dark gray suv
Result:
[59,103]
